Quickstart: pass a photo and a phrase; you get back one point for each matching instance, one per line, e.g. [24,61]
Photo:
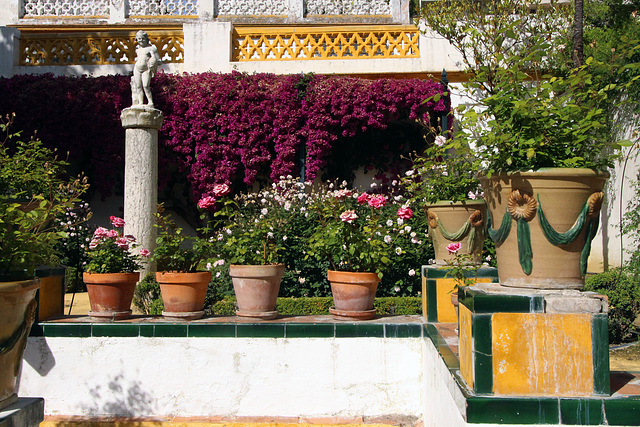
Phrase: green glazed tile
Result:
[215,330]
[359,330]
[512,411]
[483,373]
[430,331]
[115,330]
[432,301]
[488,272]
[582,412]
[67,330]
[622,412]
[36,330]
[484,303]
[260,330]
[409,330]
[309,330]
[147,331]
[600,345]
[170,330]
[481,332]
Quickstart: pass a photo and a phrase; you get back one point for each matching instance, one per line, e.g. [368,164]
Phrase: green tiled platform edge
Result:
[228,330]
[613,411]
[432,274]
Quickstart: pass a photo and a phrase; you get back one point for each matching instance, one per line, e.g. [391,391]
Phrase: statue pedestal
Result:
[527,342]
[25,412]
[141,174]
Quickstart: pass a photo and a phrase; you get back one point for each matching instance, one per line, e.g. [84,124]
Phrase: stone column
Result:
[141,174]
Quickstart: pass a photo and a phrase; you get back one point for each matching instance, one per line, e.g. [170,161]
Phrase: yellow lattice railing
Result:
[324,42]
[84,47]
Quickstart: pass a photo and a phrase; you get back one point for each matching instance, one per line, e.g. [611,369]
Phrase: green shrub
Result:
[147,296]
[623,291]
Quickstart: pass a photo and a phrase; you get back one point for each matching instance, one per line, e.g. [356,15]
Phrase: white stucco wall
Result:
[225,376]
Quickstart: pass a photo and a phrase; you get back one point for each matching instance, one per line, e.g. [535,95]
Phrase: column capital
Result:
[141,116]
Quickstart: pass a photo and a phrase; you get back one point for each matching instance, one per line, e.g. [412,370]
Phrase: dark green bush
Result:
[147,296]
[623,291]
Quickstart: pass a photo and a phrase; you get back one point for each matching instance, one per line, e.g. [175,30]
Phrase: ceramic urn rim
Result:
[182,277]
[257,270]
[19,285]
[100,278]
[352,276]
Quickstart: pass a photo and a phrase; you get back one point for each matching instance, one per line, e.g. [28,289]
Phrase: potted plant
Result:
[183,283]
[28,206]
[444,179]
[111,273]
[356,233]
[254,235]
[539,131]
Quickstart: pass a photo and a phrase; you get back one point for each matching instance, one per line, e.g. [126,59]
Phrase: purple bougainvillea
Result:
[219,128]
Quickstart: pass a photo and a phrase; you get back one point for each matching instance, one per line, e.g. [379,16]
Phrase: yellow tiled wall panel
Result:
[542,354]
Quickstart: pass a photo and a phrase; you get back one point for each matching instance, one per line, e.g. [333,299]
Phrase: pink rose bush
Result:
[453,248]
[361,231]
[109,251]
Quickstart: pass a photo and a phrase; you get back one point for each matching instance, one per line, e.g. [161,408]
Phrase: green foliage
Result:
[446,170]
[176,251]
[623,290]
[532,111]
[147,297]
[630,226]
[33,194]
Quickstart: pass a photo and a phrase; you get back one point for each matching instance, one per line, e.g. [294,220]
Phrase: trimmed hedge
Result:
[320,306]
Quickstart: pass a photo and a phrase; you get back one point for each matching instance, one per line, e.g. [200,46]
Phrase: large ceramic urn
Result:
[543,223]
[17,313]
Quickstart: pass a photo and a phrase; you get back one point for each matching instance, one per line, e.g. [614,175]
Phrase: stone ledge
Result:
[25,412]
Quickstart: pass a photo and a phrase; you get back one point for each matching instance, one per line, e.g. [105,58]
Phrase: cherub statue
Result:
[147,60]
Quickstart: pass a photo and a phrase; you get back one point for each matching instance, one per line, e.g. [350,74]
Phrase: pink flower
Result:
[94,243]
[112,234]
[363,198]
[377,201]
[130,238]
[144,253]
[100,232]
[348,216]
[405,213]
[440,140]
[116,221]
[221,190]
[343,194]
[206,202]
[453,247]
[123,243]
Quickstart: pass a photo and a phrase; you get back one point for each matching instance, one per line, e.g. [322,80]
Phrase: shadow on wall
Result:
[120,398]
[8,39]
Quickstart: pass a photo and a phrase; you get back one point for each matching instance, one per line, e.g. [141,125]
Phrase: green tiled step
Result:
[228,330]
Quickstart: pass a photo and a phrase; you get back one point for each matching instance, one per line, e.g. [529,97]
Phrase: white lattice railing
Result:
[212,8]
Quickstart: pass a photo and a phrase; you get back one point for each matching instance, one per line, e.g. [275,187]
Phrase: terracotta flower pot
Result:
[17,312]
[353,294]
[110,294]
[462,222]
[183,294]
[543,223]
[256,288]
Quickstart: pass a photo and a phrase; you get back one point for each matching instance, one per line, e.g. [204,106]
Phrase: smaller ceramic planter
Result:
[183,294]
[110,294]
[256,288]
[353,294]
[463,222]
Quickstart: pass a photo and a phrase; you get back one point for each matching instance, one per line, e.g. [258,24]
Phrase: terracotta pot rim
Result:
[258,270]
[99,278]
[447,203]
[549,172]
[19,285]
[352,276]
[176,276]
